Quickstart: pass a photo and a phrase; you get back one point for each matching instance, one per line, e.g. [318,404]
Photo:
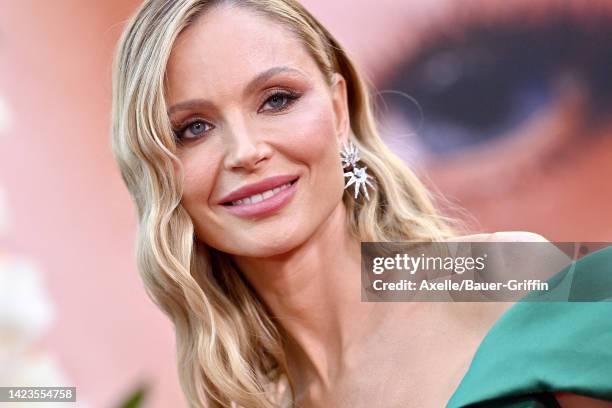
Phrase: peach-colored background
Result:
[71,213]
[69,209]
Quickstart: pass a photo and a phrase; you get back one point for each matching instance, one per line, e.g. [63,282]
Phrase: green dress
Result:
[540,347]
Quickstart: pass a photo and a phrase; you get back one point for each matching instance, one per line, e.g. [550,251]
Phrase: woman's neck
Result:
[314,291]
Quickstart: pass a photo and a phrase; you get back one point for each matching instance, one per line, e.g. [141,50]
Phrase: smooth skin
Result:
[249,102]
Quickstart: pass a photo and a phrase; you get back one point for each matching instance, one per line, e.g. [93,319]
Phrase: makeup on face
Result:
[262,198]
[259,125]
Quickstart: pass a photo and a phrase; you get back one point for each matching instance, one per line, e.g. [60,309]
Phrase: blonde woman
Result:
[228,121]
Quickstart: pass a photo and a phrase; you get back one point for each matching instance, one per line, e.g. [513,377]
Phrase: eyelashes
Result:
[196,128]
[288,96]
[276,102]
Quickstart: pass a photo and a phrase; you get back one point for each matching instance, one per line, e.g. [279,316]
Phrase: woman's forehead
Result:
[229,45]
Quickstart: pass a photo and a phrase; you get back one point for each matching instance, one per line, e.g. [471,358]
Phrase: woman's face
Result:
[249,103]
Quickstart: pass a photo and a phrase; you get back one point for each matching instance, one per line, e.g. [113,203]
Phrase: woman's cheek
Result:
[312,130]
[198,181]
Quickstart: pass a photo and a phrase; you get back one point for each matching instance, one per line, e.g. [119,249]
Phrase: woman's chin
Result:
[275,246]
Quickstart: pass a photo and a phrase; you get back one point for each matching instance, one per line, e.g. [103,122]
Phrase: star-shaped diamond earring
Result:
[358,175]
[350,155]
[360,178]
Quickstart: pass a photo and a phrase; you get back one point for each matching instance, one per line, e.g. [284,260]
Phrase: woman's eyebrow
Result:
[262,77]
[251,86]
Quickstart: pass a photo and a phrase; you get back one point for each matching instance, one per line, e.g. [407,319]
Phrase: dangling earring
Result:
[358,175]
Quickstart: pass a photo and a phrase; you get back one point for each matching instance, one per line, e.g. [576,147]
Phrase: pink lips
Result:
[266,206]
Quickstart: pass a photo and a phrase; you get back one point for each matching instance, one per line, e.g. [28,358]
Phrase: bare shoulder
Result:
[501,236]
[529,261]
[546,251]
[519,262]
[516,236]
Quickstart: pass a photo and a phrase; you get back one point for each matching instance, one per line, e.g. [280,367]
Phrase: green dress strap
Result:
[557,341]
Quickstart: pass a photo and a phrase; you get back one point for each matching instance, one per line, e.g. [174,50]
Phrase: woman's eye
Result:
[194,130]
[278,101]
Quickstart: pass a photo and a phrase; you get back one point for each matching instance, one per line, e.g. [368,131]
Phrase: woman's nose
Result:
[245,149]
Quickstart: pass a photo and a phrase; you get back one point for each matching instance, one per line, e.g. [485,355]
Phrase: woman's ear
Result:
[340,106]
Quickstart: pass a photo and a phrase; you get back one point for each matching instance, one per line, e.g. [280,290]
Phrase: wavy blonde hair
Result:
[229,349]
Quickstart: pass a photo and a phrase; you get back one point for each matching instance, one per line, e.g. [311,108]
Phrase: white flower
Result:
[36,370]
[26,310]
